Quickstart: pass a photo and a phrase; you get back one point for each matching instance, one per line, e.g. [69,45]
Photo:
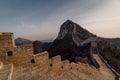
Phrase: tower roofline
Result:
[5,33]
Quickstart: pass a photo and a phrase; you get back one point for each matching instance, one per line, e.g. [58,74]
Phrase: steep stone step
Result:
[104,69]
[36,74]
[31,74]
[20,73]
[17,73]
[25,74]
[6,72]
[67,76]
[83,76]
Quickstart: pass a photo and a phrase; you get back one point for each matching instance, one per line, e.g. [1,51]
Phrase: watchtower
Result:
[6,44]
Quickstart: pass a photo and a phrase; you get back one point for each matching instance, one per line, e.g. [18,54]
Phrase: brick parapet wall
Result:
[23,56]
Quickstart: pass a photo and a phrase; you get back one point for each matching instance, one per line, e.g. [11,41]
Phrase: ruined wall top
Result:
[7,39]
[6,33]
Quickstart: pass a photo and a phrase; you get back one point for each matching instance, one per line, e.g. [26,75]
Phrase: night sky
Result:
[41,19]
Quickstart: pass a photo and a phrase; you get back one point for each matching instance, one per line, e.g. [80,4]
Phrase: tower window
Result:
[32,61]
[51,65]
[62,67]
[10,53]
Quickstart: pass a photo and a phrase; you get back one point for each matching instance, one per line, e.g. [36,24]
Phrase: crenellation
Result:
[7,39]
[42,60]
[23,56]
[9,53]
[65,65]
[73,66]
[56,63]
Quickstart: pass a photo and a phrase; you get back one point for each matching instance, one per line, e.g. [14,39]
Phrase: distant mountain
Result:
[114,40]
[48,40]
[22,41]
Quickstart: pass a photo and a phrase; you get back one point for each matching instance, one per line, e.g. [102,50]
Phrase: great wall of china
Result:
[99,58]
[19,63]
[23,55]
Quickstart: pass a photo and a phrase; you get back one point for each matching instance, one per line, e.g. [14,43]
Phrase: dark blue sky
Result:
[41,19]
[31,10]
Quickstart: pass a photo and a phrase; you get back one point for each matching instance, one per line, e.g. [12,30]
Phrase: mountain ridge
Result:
[22,41]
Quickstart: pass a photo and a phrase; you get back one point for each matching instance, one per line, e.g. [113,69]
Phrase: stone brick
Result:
[65,66]
[42,60]
[55,63]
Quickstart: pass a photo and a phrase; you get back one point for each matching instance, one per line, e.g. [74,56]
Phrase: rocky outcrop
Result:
[77,33]
[72,42]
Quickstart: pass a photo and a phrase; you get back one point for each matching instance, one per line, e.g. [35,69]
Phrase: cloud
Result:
[36,32]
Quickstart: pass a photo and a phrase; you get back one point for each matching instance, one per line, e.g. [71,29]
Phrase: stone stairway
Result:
[6,72]
[17,72]
[104,69]
[20,73]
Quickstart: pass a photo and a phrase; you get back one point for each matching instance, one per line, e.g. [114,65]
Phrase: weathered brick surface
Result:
[65,66]
[55,63]
[42,60]
[20,54]
[23,56]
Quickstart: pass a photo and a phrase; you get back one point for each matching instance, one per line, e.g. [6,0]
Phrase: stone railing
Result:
[117,75]
[94,62]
